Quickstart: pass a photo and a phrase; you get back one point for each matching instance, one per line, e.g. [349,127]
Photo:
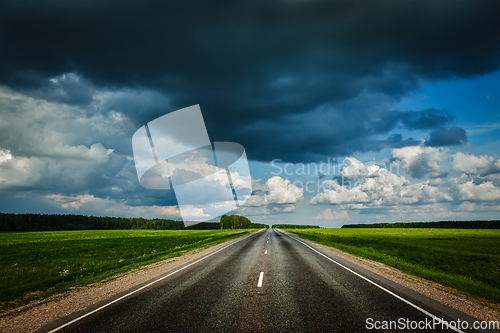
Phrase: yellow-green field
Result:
[465,259]
[34,265]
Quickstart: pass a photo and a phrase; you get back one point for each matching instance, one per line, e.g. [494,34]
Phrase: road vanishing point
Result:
[267,281]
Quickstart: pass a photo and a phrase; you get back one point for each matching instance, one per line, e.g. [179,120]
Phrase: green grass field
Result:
[34,265]
[465,259]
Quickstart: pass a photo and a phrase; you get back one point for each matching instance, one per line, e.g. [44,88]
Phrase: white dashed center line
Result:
[259,284]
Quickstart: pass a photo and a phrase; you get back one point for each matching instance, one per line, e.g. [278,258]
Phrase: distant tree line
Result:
[294,226]
[258,226]
[239,222]
[440,224]
[39,222]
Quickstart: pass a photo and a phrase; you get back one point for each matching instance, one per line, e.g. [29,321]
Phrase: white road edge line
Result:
[143,287]
[261,276]
[379,286]
[265,252]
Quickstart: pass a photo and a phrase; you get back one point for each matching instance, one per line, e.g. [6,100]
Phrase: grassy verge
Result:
[34,265]
[465,259]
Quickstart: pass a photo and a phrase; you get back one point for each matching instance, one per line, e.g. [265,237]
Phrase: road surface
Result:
[265,282]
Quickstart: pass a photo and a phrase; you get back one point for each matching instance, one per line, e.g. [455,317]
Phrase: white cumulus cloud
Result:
[277,191]
[330,215]
[471,164]
[420,161]
[470,191]
[377,187]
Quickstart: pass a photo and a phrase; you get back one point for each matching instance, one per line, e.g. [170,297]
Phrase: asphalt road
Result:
[266,282]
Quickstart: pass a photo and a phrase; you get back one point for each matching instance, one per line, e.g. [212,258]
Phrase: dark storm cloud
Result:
[385,121]
[67,88]
[335,131]
[253,63]
[426,119]
[454,136]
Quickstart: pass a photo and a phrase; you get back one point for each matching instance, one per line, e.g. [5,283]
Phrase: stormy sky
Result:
[358,85]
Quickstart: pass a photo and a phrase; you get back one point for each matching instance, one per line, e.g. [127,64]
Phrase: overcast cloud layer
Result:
[299,81]
[258,65]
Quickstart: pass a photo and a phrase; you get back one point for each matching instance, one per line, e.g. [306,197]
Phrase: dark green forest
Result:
[239,222]
[439,224]
[41,222]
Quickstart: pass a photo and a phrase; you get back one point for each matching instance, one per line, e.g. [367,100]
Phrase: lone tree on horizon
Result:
[234,222]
